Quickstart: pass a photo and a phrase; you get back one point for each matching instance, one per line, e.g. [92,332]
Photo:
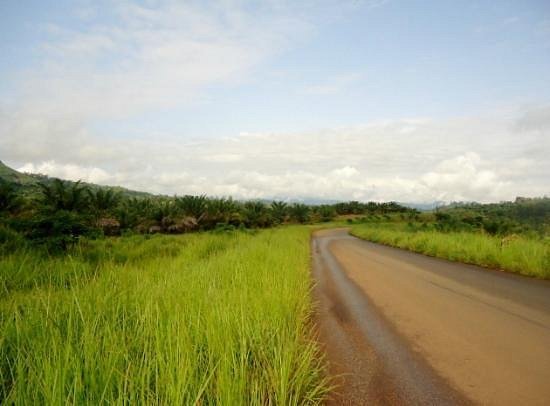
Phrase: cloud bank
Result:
[416,160]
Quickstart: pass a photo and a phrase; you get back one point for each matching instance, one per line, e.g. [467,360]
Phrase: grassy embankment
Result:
[526,256]
[192,319]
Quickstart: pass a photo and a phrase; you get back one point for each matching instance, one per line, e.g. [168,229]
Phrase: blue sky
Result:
[402,100]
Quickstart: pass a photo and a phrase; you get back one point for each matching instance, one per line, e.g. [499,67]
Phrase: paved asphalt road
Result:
[403,328]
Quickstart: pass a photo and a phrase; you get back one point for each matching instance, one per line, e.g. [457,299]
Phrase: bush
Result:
[60,229]
[10,240]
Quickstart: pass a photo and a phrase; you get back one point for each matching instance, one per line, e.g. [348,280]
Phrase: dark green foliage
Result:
[193,206]
[60,195]
[102,200]
[162,210]
[58,230]
[130,212]
[222,210]
[325,213]
[10,201]
[501,218]
[256,214]
[523,215]
[279,212]
[10,240]
[299,213]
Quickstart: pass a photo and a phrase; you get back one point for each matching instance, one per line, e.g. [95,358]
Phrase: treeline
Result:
[63,211]
[524,215]
[355,207]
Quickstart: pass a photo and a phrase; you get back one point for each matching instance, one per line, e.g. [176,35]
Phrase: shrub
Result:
[60,229]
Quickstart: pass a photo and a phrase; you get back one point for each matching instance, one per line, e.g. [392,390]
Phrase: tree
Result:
[9,200]
[299,212]
[193,206]
[279,212]
[326,212]
[102,201]
[162,209]
[59,229]
[62,218]
[256,214]
[222,210]
[59,195]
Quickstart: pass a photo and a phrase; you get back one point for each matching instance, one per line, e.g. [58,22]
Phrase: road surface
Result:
[403,328]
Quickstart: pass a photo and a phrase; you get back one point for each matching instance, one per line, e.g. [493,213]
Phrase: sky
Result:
[412,101]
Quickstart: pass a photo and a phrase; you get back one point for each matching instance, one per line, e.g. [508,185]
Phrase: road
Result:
[403,328]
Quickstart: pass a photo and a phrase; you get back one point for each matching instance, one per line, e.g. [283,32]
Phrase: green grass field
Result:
[192,319]
[519,254]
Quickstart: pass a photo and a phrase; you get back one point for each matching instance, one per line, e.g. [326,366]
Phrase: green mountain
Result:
[11,175]
[28,184]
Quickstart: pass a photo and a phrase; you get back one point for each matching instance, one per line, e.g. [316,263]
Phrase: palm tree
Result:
[103,200]
[142,207]
[163,211]
[192,206]
[279,211]
[131,211]
[325,212]
[256,214]
[222,210]
[102,203]
[60,195]
[61,219]
[299,212]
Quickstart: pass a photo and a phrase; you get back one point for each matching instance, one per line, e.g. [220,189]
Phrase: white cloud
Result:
[220,158]
[152,57]
[68,171]
[345,172]
[452,159]
[463,177]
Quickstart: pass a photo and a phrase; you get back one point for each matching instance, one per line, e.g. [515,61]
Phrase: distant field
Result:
[193,319]
[514,254]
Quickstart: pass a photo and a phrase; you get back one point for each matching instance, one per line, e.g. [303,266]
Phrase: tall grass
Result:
[192,319]
[519,254]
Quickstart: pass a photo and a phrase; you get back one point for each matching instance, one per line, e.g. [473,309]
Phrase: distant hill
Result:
[11,175]
[423,206]
[28,183]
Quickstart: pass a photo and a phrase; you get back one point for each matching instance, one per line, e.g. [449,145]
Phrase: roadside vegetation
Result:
[204,318]
[54,214]
[114,296]
[509,236]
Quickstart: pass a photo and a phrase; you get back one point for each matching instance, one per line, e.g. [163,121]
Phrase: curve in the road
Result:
[403,328]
